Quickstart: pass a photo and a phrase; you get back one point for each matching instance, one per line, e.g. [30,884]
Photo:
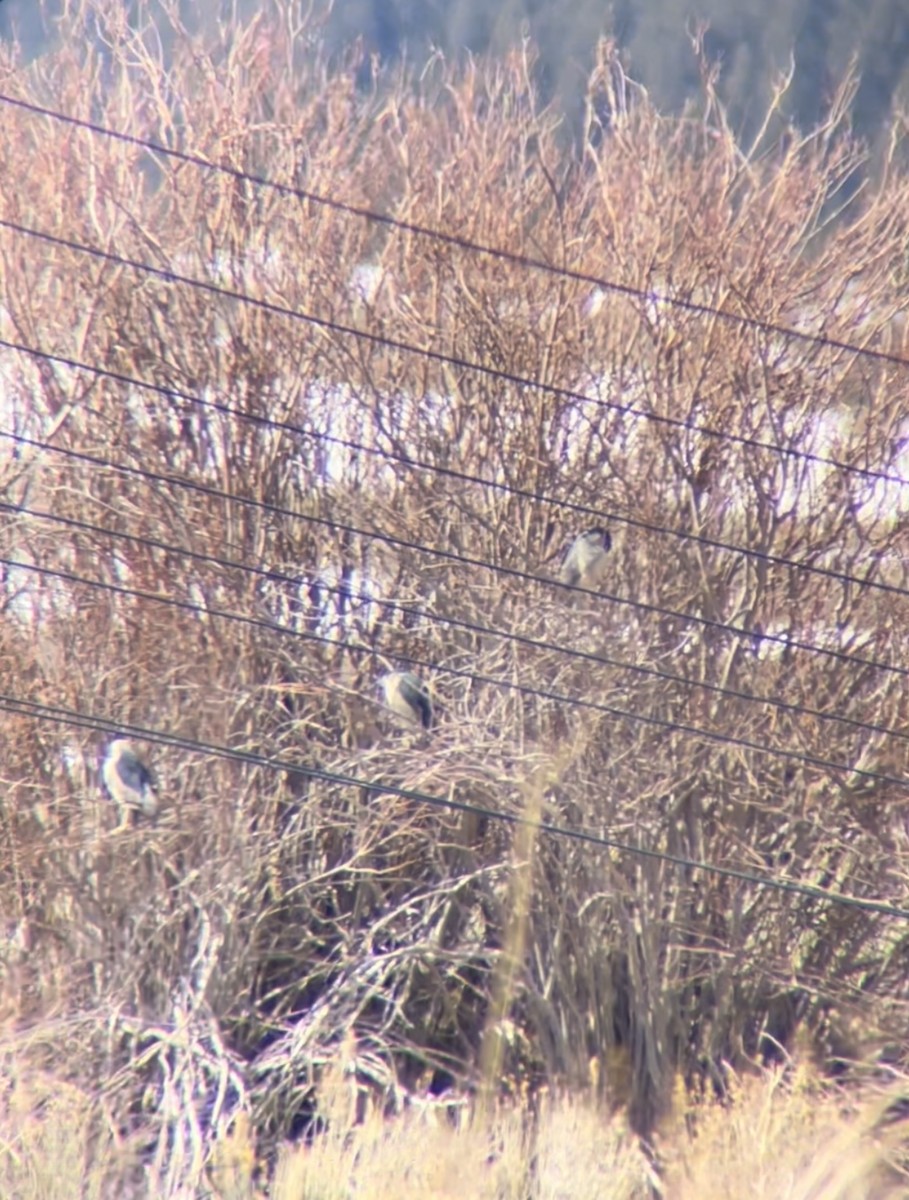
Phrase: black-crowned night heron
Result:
[128,780]
[406,695]
[584,564]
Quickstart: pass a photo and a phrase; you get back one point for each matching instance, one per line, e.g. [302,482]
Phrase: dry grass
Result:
[786,1135]
[175,978]
[781,1136]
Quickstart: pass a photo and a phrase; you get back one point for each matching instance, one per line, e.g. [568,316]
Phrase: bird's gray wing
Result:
[416,695]
[425,710]
[570,572]
[133,773]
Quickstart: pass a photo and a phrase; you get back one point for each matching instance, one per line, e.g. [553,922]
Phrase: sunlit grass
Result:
[780,1135]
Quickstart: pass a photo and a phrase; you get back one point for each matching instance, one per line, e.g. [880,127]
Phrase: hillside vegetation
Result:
[304,447]
[751,41]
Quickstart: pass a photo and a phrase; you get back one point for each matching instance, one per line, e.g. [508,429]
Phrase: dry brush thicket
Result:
[215,960]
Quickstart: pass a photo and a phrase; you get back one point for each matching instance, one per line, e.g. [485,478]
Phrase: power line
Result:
[523,689]
[599,658]
[456,240]
[606,285]
[19,706]
[452,556]
[466,364]
[171,394]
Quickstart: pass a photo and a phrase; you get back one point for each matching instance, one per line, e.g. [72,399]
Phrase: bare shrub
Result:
[239,552]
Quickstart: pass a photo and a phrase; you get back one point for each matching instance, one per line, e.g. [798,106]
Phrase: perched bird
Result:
[406,695]
[128,780]
[584,564]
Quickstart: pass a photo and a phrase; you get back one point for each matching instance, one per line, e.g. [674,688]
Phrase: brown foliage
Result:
[216,960]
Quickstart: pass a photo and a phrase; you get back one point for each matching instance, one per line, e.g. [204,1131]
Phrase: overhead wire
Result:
[15,704]
[475,676]
[364,598]
[458,241]
[752,635]
[172,394]
[282,310]
[23,707]
[497,373]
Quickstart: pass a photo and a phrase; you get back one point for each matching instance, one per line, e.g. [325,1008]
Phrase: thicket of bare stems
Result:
[215,961]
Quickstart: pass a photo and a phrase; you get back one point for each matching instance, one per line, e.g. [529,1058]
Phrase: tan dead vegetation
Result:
[172,978]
